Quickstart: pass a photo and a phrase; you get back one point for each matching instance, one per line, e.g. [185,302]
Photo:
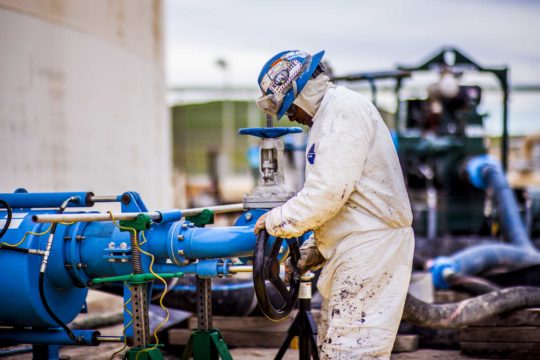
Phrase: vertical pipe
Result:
[140,316]
[204,303]
[398,105]
[510,218]
[504,143]
[431,195]
[269,121]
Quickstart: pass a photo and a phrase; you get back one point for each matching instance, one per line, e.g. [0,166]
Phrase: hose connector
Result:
[440,268]
[475,169]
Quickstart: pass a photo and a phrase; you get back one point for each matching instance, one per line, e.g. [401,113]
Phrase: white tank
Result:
[82,98]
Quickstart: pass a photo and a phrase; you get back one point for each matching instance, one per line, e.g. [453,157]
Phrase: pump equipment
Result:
[53,249]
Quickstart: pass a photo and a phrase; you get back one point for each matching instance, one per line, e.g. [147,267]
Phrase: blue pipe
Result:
[48,337]
[202,268]
[485,172]
[170,216]
[46,200]
[223,242]
[215,287]
[478,259]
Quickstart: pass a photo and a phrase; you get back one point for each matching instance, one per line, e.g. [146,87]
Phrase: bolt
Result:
[112,245]
[124,260]
[80,265]
[111,260]
[123,245]
[180,252]
[67,238]
[80,237]
[185,226]
[180,237]
[126,199]
[248,216]
[186,262]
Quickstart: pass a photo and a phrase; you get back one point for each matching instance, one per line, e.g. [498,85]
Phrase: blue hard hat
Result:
[283,69]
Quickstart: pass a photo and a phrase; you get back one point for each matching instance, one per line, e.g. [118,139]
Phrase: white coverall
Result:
[355,201]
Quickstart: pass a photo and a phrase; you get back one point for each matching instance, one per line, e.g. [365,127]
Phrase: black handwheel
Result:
[266,269]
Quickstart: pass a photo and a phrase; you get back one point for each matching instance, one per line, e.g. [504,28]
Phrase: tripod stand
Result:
[303,325]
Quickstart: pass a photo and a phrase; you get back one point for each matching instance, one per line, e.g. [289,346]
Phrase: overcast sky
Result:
[357,35]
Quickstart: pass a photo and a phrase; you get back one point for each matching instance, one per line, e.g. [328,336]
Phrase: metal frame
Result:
[437,61]
[464,62]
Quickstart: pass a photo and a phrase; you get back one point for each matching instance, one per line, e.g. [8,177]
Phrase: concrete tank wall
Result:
[82,98]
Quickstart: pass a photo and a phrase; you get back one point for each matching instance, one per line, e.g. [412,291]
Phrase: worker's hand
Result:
[259,225]
[310,259]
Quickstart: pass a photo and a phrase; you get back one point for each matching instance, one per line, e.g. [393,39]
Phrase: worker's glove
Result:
[310,259]
[260,225]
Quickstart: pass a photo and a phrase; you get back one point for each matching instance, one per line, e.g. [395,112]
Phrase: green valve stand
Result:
[206,345]
[137,284]
[141,354]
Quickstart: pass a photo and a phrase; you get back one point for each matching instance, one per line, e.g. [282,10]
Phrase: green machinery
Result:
[435,135]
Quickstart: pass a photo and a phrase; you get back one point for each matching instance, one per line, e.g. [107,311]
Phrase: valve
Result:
[272,190]
[266,268]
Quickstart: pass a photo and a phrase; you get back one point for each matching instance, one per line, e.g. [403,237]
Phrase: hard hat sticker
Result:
[283,73]
[277,68]
[282,77]
[311,154]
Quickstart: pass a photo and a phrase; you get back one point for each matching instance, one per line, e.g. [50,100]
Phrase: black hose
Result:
[450,316]
[16,249]
[8,218]
[50,312]
[470,284]
[42,276]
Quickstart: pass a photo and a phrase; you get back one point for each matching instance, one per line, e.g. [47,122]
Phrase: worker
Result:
[354,199]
